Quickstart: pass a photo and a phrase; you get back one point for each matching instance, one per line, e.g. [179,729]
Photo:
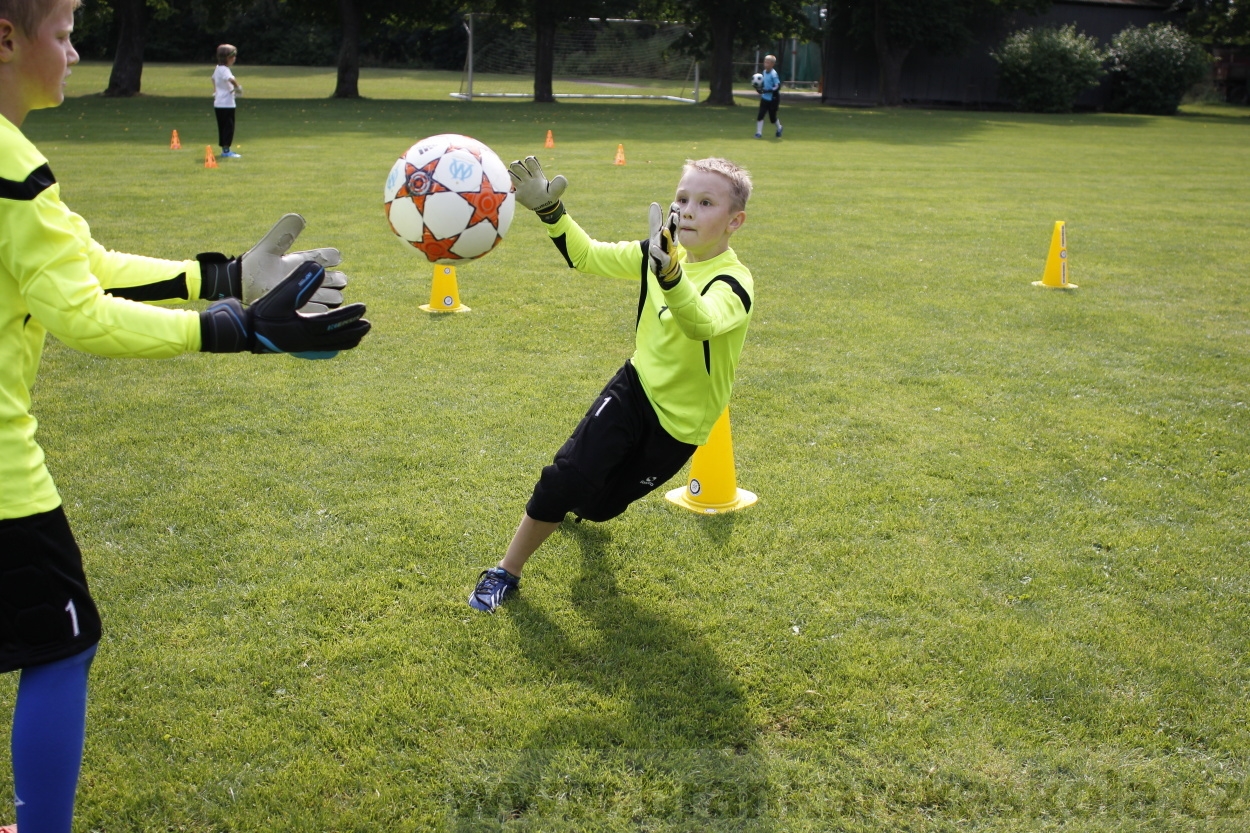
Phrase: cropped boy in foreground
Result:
[55,278]
[694,306]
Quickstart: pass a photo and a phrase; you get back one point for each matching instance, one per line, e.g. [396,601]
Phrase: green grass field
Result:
[997,576]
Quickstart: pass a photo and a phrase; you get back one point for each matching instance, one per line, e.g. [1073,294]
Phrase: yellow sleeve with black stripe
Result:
[53,278]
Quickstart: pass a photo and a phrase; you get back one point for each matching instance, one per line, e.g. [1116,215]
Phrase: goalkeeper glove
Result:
[249,276]
[273,325]
[664,264]
[535,191]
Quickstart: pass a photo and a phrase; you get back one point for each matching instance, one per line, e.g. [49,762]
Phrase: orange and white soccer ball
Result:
[450,198]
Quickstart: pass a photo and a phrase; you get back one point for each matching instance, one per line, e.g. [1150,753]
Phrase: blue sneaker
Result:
[230,155]
[778,131]
[492,586]
[759,135]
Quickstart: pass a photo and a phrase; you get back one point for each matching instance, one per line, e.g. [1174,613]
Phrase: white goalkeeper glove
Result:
[535,191]
[660,252]
[251,275]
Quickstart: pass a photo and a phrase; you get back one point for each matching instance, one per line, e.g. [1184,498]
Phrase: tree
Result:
[126,77]
[896,28]
[544,17]
[1217,22]
[719,27]
[347,82]
[131,17]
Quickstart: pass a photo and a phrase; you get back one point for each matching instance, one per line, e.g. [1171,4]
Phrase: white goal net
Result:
[594,58]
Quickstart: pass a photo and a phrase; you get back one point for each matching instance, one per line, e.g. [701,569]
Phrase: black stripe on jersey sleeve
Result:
[562,243]
[40,180]
[742,294]
[159,291]
[642,293]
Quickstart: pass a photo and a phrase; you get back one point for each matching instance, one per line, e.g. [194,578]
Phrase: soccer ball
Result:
[450,198]
[757,81]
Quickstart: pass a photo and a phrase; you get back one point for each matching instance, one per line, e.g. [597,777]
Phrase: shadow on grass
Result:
[667,739]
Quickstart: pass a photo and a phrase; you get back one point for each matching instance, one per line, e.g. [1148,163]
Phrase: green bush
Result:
[1044,70]
[1152,69]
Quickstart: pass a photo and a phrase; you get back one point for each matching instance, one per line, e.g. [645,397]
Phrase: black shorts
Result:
[618,453]
[46,610]
[769,108]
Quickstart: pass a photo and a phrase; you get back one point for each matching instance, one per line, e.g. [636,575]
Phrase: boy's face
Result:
[39,62]
[706,217]
[770,62]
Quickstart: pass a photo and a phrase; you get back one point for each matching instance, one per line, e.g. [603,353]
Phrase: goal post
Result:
[594,58]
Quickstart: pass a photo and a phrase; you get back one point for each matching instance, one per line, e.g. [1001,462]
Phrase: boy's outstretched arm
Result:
[246,277]
[535,191]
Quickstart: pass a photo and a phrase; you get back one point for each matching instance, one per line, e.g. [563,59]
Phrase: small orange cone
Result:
[551,142]
[174,144]
[210,161]
[620,155]
[713,484]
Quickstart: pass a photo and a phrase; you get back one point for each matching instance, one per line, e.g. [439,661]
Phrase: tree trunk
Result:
[890,59]
[544,55]
[828,56]
[348,84]
[721,82]
[127,74]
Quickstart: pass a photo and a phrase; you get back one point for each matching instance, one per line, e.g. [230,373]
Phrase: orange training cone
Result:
[551,142]
[1055,275]
[444,297]
[620,155]
[712,487]
[174,144]
[210,161]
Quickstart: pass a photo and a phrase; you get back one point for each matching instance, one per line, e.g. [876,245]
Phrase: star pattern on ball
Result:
[486,203]
[436,248]
[419,183]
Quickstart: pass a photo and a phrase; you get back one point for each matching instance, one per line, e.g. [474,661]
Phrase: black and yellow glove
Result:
[274,324]
[660,250]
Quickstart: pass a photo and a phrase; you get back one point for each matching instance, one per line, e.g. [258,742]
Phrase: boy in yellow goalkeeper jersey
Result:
[694,307]
[55,278]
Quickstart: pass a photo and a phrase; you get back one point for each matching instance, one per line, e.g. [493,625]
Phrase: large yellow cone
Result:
[444,296]
[713,486]
[1055,275]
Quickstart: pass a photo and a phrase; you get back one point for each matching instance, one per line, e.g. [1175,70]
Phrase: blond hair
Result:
[225,51]
[739,178]
[28,15]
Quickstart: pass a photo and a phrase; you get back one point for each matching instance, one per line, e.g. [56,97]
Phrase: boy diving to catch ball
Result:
[694,306]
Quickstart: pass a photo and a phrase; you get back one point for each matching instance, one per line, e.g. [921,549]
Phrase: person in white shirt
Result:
[225,88]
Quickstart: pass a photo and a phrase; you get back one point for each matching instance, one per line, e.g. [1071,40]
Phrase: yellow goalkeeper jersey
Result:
[54,278]
[688,339]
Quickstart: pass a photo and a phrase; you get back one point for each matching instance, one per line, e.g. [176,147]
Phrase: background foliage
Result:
[271,33]
[1045,69]
[1152,68]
